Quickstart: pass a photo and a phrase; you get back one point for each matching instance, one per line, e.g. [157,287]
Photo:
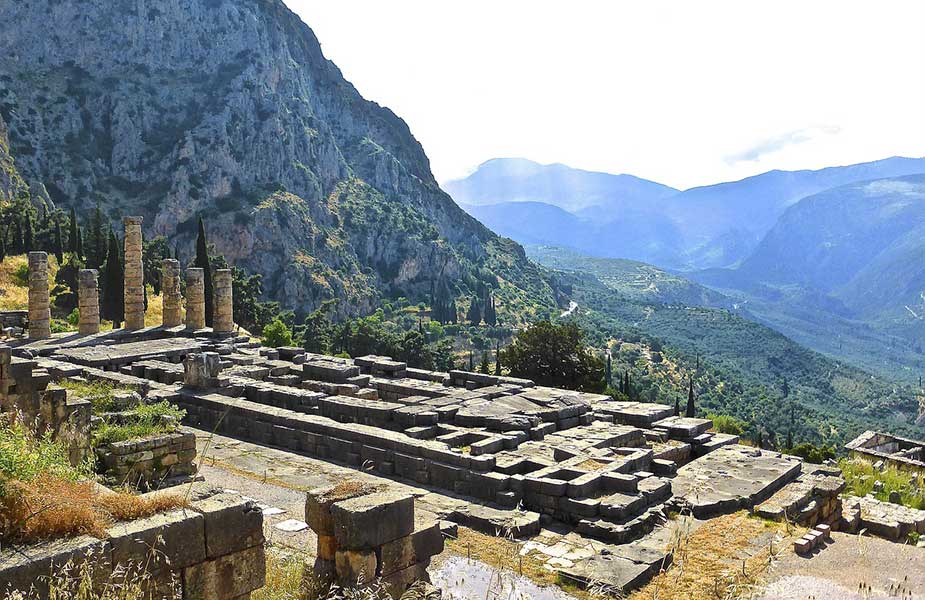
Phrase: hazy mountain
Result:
[704,227]
[228,109]
[723,223]
[634,234]
[584,193]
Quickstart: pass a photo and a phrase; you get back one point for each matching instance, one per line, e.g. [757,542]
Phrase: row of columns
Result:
[88,295]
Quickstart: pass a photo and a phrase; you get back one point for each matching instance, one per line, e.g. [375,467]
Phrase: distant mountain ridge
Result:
[703,227]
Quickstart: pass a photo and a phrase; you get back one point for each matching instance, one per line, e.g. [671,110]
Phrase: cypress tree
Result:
[471,363]
[474,315]
[498,359]
[28,237]
[16,245]
[112,306]
[72,232]
[2,245]
[789,439]
[453,312]
[59,250]
[677,406]
[96,240]
[202,261]
[484,366]
[491,317]
[79,247]
[690,400]
[608,372]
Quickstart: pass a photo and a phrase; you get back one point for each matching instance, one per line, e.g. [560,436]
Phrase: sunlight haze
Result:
[682,93]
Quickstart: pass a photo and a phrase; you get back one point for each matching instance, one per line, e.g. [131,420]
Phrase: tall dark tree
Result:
[112,305]
[28,235]
[691,409]
[471,362]
[484,365]
[79,248]
[608,371]
[202,261]
[96,240]
[59,246]
[72,231]
[474,315]
[677,406]
[2,245]
[490,315]
[498,359]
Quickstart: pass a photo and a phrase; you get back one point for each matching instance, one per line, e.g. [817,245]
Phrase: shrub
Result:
[21,275]
[812,453]
[861,476]
[728,424]
[277,334]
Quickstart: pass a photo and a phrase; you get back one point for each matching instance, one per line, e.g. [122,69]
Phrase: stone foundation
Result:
[367,533]
[211,550]
[147,463]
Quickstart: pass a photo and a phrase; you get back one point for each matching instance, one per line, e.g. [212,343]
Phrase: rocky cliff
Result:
[228,109]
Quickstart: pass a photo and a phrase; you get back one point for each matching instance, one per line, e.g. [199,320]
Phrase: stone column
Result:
[39,309]
[134,275]
[170,288]
[88,301]
[222,320]
[195,298]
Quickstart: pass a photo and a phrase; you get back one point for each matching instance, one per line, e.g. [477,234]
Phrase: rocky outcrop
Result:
[229,109]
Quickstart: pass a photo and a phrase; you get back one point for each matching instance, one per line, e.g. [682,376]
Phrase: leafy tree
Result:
[154,251]
[277,334]
[202,261]
[812,453]
[728,424]
[318,330]
[112,306]
[72,231]
[28,236]
[555,355]
[249,311]
[66,279]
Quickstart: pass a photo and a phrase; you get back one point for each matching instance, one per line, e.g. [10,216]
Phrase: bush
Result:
[277,334]
[812,453]
[21,275]
[728,424]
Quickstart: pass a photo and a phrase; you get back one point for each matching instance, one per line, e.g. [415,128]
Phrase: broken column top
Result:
[132,220]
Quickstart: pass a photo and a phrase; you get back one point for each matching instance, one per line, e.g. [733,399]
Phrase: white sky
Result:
[683,92]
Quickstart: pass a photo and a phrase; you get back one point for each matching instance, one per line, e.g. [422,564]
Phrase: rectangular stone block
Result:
[227,577]
[174,540]
[231,524]
[355,567]
[372,520]
[425,541]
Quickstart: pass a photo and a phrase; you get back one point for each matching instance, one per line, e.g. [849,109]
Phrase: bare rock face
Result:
[227,108]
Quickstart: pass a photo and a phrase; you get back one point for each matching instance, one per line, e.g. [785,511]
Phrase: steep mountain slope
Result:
[227,108]
[842,272]
[723,223]
[862,243]
[585,193]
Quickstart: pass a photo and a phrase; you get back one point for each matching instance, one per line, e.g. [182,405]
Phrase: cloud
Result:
[779,142]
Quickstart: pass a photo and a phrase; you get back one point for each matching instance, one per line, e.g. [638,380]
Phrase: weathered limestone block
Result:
[222,320]
[201,370]
[171,540]
[30,567]
[424,542]
[318,503]
[134,275]
[355,567]
[170,288]
[372,520]
[232,524]
[88,301]
[39,309]
[226,577]
[195,298]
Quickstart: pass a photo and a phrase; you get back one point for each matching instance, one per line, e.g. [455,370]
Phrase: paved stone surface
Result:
[836,571]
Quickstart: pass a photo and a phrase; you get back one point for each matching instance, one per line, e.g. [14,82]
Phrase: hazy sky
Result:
[685,93]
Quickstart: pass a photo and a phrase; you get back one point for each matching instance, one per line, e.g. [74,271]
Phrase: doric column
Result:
[170,288]
[195,298]
[88,301]
[134,275]
[222,320]
[39,310]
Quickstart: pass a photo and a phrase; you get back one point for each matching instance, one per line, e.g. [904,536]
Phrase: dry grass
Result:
[724,559]
[50,507]
[12,295]
[591,465]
